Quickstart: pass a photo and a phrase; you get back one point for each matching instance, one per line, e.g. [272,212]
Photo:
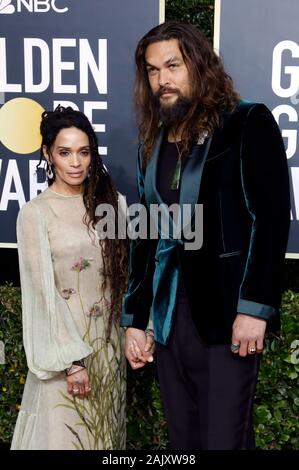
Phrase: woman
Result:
[72,285]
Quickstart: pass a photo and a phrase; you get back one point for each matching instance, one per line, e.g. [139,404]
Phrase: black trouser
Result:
[207,391]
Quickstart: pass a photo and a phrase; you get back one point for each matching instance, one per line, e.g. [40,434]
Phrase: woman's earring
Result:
[49,172]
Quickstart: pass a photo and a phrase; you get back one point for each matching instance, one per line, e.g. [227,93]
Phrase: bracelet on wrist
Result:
[75,367]
[149,332]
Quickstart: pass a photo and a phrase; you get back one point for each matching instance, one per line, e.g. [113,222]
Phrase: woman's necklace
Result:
[175,183]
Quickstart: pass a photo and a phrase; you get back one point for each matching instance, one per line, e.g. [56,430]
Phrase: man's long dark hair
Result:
[98,189]
[212,89]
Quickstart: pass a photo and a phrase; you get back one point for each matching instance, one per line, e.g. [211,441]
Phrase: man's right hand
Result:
[139,348]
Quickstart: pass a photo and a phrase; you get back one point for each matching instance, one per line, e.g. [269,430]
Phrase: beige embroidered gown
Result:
[63,321]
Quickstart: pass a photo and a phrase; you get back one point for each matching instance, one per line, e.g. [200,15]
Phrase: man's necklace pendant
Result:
[175,183]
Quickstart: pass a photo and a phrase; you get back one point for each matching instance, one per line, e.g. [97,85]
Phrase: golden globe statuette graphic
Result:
[19,125]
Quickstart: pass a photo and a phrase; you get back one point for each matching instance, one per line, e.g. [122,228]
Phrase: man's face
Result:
[167,72]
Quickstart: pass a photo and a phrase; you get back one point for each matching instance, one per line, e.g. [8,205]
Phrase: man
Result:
[212,305]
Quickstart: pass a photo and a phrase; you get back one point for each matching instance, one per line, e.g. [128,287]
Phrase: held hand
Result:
[248,334]
[139,347]
[78,384]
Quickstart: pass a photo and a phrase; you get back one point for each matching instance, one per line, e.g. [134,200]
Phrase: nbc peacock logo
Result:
[6,8]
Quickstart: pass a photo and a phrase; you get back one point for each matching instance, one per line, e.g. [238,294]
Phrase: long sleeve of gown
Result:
[51,338]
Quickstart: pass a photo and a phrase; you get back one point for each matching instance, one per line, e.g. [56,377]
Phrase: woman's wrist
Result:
[75,367]
[149,332]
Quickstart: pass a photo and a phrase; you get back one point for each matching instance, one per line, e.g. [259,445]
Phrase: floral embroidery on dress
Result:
[95,311]
[66,293]
[81,265]
[98,419]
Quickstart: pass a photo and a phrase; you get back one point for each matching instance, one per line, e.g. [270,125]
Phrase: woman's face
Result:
[71,158]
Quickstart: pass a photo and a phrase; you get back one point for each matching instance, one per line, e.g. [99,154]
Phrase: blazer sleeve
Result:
[51,339]
[265,183]
[136,311]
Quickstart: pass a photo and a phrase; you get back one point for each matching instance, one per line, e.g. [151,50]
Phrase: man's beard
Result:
[173,114]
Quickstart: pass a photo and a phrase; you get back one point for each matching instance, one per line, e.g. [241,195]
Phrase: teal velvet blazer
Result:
[240,176]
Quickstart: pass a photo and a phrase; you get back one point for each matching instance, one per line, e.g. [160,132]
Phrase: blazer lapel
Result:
[152,195]
[191,176]
[191,179]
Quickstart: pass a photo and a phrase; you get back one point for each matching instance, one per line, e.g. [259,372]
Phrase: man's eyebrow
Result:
[147,64]
[167,62]
[173,59]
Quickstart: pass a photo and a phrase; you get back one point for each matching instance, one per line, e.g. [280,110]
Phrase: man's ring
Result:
[234,347]
[252,350]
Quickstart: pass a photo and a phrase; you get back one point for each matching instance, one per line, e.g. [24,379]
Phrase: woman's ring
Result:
[234,347]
